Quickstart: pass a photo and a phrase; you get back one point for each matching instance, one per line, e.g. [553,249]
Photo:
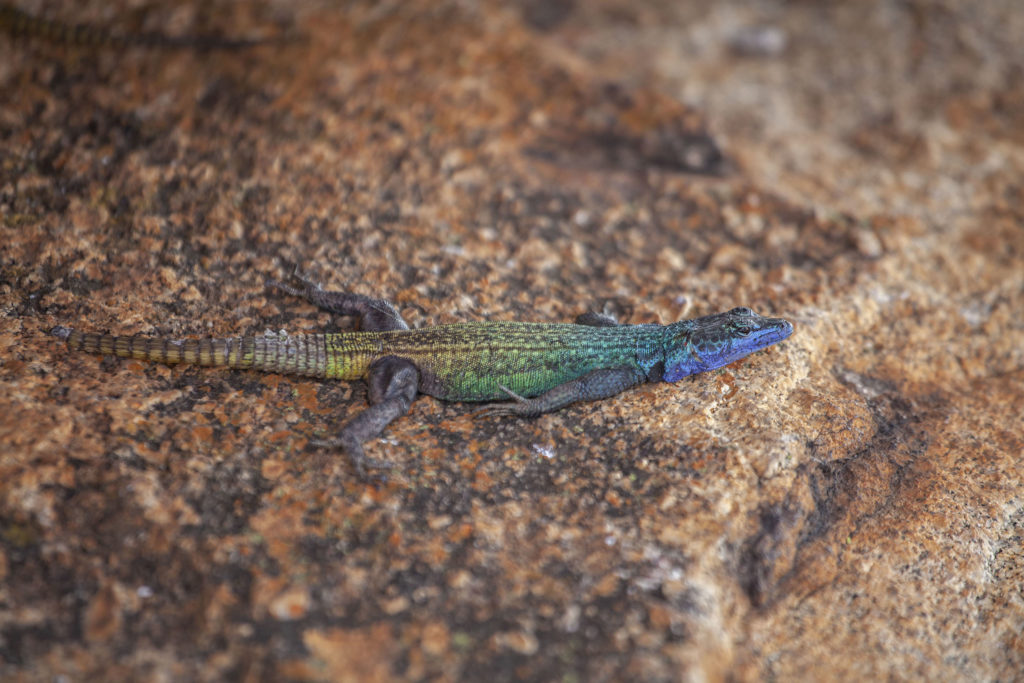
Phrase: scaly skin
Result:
[542,366]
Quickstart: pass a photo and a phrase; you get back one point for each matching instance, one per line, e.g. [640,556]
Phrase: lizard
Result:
[541,367]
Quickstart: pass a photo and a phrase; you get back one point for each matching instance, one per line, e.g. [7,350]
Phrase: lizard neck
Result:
[650,350]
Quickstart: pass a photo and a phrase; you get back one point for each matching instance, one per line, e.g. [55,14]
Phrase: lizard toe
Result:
[494,410]
[354,451]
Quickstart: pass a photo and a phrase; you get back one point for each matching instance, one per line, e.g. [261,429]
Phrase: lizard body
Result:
[542,366]
[457,362]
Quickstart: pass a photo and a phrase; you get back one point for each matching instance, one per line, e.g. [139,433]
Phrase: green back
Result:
[472,361]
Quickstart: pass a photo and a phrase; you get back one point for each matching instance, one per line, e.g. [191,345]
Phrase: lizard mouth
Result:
[770,331]
[773,330]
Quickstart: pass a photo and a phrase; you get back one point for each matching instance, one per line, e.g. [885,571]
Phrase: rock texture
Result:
[847,505]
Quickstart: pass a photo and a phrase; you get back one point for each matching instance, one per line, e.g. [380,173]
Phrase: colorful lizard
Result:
[540,366]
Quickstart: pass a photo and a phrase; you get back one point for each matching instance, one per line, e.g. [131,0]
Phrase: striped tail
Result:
[302,354]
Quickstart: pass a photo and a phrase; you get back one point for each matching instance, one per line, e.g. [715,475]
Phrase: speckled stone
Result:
[846,505]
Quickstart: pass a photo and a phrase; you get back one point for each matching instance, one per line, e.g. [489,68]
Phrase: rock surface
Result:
[848,504]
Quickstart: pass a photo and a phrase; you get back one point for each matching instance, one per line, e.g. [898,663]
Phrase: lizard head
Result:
[710,342]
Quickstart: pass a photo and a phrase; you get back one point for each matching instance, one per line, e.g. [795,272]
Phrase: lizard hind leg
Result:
[375,315]
[393,385]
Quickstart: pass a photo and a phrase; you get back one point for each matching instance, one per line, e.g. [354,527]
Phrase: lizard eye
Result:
[743,330]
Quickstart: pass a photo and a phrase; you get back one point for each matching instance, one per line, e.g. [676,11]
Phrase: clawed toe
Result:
[297,284]
[496,410]
[287,289]
[361,462]
[301,279]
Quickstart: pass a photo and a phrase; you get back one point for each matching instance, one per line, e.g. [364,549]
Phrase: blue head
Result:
[710,342]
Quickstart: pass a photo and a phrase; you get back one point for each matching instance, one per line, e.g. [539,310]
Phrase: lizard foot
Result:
[358,458]
[520,405]
[298,284]
[495,410]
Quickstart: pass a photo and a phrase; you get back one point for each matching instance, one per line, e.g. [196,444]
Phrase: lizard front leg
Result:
[375,315]
[594,385]
[393,385]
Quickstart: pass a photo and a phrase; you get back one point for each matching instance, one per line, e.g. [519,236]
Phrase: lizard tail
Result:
[303,354]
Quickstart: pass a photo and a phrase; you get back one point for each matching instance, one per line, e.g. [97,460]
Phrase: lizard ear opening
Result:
[674,373]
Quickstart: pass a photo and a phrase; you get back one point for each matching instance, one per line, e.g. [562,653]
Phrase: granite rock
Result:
[846,505]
